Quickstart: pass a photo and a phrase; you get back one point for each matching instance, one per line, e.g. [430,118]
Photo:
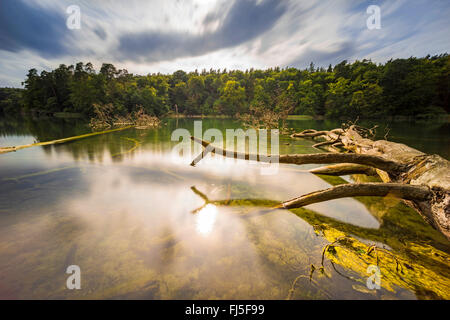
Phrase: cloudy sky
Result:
[164,36]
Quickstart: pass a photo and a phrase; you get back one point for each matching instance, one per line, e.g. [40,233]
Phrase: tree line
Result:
[413,87]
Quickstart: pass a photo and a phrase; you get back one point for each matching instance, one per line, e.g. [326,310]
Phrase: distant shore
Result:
[74,115]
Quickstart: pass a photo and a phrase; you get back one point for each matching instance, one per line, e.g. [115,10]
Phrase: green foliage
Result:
[413,87]
[11,100]
[232,99]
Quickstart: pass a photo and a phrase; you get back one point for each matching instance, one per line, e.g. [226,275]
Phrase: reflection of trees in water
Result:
[134,265]
[117,145]
[43,129]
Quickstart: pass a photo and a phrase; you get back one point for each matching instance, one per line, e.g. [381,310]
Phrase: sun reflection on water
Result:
[205,219]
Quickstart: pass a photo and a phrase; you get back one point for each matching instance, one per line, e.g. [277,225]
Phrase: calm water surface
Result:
[133,217]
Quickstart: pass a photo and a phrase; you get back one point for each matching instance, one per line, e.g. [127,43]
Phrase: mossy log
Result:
[58,141]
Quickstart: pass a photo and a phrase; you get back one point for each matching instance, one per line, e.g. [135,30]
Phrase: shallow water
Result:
[122,208]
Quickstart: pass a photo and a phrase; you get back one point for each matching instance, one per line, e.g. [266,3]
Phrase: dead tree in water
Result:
[421,180]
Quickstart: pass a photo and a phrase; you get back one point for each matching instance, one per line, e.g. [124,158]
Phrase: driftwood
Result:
[421,180]
[58,141]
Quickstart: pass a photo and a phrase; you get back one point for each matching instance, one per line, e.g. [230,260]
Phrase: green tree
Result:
[232,98]
[338,98]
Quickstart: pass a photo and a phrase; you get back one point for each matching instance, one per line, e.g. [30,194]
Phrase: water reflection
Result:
[118,207]
[206,218]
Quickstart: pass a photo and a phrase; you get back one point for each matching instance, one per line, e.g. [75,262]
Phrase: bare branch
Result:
[398,190]
[344,169]
[328,142]
[324,158]
[203,154]
[324,143]
[227,153]
[317,158]
[200,194]
[309,134]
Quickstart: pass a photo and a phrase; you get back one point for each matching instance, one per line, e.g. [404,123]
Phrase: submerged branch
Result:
[46,143]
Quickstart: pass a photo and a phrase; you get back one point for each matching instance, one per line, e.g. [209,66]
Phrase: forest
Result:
[415,88]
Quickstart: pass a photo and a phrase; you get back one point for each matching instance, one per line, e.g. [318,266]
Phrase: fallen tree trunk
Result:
[425,178]
[415,168]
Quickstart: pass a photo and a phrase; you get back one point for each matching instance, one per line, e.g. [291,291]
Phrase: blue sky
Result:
[164,36]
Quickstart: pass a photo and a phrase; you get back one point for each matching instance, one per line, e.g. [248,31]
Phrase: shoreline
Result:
[397,118]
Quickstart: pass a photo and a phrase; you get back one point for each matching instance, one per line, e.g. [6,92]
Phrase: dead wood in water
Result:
[46,143]
[397,190]
[422,264]
[342,169]
[422,180]
[415,168]
[314,158]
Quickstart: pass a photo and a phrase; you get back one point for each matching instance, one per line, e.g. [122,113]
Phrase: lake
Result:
[141,223]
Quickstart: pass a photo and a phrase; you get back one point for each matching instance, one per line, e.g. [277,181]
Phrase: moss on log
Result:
[46,143]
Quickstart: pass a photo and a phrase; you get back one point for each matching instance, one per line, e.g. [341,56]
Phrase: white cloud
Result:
[321,31]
